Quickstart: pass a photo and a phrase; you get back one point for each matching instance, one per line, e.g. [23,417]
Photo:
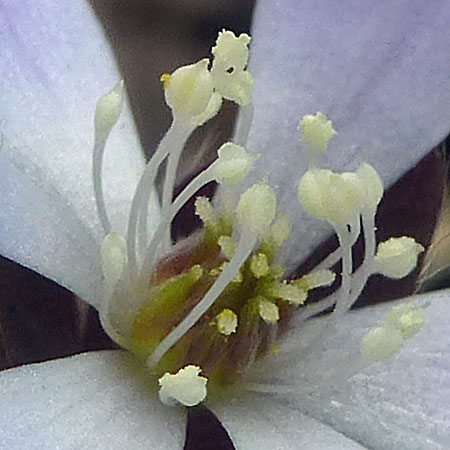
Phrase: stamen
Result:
[186,387]
[280,230]
[316,132]
[318,278]
[205,210]
[227,246]
[408,319]
[244,123]
[268,311]
[175,138]
[344,236]
[227,322]
[257,208]
[290,292]
[259,265]
[188,90]
[335,256]
[114,257]
[385,341]
[151,254]
[107,113]
[243,251]
[381,343]
[397,257]
[231,166]
[231,52]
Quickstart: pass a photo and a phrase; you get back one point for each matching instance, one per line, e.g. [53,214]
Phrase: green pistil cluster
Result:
[245,321]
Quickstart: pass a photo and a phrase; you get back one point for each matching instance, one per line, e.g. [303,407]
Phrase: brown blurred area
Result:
[39,320]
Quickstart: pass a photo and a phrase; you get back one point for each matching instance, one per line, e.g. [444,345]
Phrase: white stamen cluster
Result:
[194,93]
[345,200]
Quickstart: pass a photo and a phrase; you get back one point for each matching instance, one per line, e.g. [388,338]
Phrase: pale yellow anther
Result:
[186,387]
[205,210]
[411,322]
[268,311]
[316,131]
[216,271]
[165,79]
[408,319]
[318,278]
[257,208]
[290,292]
[381,343]
[259,265]
[402,322]
[227,322]
[231,79]
[214,104]
[189,89]
[397,257]
[108,110]
[233,164]
[330,196]
[372,185]
[280,229]
[227,246]
[196,272]
[114,257]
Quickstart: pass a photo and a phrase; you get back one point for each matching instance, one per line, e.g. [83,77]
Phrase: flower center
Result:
[243,323]
[219,301]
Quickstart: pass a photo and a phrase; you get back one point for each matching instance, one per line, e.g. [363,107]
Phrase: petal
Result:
[55,64]
[95,400]
[400,403]
[257,423]
[39,230]
[379,70]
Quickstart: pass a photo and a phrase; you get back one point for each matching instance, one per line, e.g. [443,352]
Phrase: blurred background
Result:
[39,320]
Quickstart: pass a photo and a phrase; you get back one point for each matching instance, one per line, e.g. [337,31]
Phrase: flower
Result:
[63,402]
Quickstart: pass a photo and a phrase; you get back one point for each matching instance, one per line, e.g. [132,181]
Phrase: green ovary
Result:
[173,295]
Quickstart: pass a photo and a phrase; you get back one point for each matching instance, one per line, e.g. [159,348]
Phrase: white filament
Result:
[244,248]
[97,165]
[151,253]
[172,141]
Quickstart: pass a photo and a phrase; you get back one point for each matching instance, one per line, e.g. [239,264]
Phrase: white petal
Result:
[55,64]
[379,70]
[39,229]
[258,423]
[400,403]
[98,400]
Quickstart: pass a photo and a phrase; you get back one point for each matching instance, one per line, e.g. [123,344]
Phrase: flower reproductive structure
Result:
[200,314]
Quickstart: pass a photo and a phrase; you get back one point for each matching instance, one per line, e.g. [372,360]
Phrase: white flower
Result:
[49,223]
